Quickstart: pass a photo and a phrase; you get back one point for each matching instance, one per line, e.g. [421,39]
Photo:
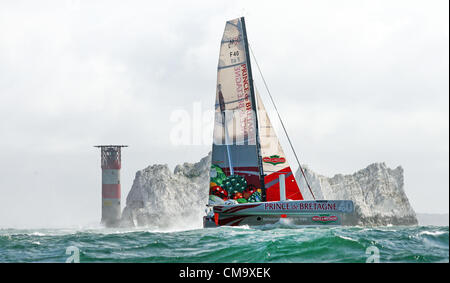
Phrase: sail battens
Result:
[246,157]
[229,102]
[248,164]
[274,159]
[229,66]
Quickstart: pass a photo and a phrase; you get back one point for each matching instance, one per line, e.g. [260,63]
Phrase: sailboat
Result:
[251,181]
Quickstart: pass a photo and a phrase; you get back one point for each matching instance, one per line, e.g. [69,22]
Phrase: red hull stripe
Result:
[231,219]
[235,208]
[239,208]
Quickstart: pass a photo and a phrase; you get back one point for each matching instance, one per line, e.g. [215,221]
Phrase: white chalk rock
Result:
[169,200]
[176,200]
[377,192]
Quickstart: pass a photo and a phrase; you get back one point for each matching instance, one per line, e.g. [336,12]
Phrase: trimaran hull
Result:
[318,212]
[251,181]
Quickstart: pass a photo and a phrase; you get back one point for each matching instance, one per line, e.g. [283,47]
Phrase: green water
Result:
[227,244]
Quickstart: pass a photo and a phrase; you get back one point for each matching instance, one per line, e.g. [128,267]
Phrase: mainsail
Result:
[245,164]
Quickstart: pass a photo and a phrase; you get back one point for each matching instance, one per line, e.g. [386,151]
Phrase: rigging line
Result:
[282,124]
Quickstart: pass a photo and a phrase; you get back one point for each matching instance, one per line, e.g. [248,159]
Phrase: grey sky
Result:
[357,82]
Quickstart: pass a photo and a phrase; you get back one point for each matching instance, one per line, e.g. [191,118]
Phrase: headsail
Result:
[274,159]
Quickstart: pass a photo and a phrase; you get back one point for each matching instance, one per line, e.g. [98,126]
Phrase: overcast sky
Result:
[356,82]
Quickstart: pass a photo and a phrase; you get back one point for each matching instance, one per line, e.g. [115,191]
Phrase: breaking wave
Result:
[276,243]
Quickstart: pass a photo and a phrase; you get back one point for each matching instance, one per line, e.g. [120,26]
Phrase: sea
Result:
[265,244]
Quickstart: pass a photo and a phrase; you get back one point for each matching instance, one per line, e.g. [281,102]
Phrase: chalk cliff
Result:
[169,200]
[377,192]
[176,200]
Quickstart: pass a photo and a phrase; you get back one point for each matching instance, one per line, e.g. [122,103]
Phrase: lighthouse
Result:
[111,164]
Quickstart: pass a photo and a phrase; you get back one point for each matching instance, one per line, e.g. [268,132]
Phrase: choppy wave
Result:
[275,243]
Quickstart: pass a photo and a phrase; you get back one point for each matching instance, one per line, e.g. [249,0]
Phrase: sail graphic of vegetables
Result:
[255,197]
[219,192]
[216,175]
[234,185]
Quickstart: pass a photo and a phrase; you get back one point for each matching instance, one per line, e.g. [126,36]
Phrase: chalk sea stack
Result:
[169,200]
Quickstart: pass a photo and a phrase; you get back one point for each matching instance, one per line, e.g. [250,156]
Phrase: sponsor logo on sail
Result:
[274,159]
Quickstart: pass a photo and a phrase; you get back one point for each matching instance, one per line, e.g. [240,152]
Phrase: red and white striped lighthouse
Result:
[111,164]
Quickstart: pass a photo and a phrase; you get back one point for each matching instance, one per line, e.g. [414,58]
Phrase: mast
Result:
[252,94]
